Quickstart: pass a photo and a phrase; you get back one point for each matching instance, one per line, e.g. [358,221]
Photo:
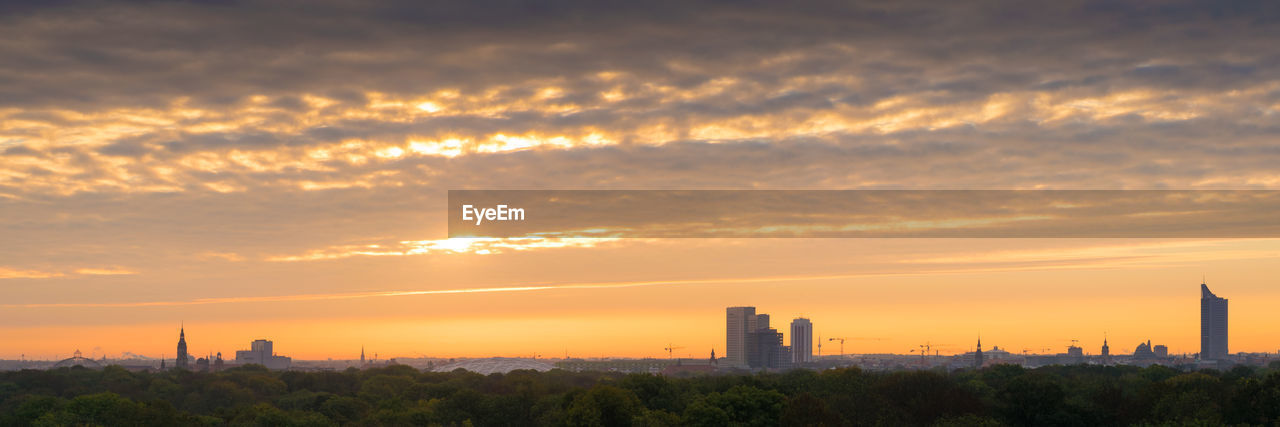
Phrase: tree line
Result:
[401,395]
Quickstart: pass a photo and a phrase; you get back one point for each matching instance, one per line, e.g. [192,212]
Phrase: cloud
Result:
[9,273]
[479,246]
[225,256]
[108,271]
[260,131]
[471,290]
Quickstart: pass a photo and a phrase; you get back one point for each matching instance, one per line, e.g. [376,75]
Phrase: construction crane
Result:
[841,345]
[671,349]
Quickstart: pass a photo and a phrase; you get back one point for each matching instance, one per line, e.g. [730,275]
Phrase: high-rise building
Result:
[762,321]
[740,322]
[801,341]
[181,361]
[1213,325]
[766,350]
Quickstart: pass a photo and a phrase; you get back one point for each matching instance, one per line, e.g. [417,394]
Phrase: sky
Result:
[280,170]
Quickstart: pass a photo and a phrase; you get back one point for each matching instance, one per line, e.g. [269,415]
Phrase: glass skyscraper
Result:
[1213,325]
[740,322]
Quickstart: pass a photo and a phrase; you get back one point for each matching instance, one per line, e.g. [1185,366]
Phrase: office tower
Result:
[181,361]
[762,321]
[801,341]
[765,349]
[740,322]
[1213,325]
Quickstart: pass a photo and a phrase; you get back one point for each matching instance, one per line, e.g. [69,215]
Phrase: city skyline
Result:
[746,321]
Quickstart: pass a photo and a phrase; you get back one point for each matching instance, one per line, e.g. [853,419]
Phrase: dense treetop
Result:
[402,395]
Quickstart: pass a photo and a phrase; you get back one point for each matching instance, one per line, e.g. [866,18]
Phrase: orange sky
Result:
[615,301]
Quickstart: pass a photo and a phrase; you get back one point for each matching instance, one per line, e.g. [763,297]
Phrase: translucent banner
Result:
[863,213]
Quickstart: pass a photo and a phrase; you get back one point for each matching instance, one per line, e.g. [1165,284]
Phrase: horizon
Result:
[1119,348]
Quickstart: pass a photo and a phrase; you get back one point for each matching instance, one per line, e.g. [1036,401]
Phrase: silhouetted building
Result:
[181,361]
[977,355]
[262,352]
[1146,350]
[764,345]
[740,322]
[1106,352]
[202,365]
[1213,325]
[1075,355]
[801,341]
[687,369]
[217,363]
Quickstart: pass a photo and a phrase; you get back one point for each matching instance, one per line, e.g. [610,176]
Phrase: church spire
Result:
[977,355]
[180,362]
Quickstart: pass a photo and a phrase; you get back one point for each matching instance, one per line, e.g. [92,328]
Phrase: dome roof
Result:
[492,365]
[78,361]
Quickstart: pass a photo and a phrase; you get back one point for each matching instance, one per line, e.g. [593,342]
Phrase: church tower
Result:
[977,355]
[181,361]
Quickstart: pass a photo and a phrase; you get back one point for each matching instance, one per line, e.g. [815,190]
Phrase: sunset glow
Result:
[260,171]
